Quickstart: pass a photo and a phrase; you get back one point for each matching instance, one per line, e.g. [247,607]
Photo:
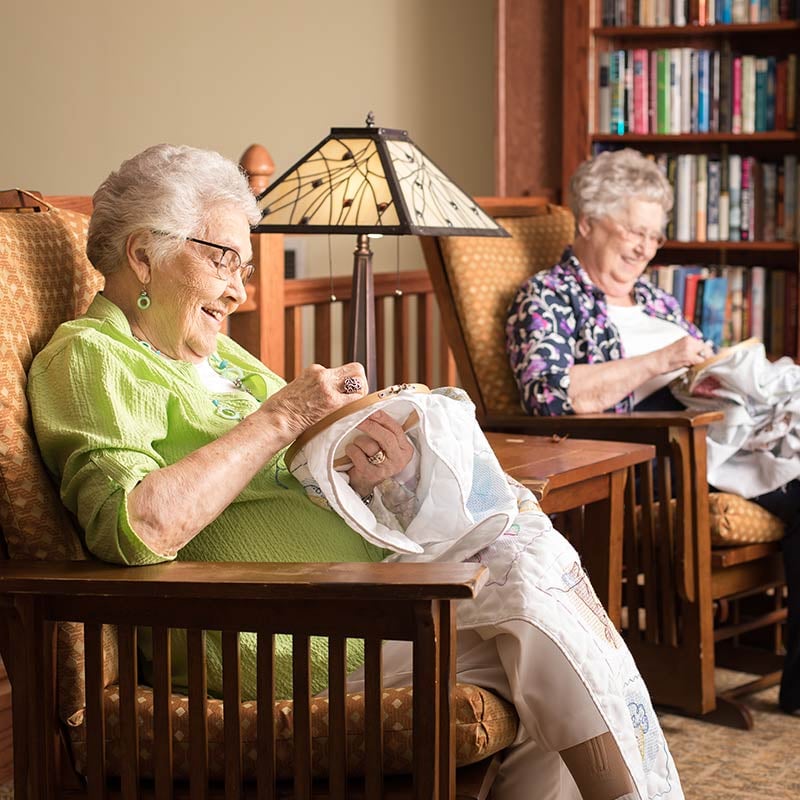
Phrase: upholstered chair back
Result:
[45,279]
[484,274]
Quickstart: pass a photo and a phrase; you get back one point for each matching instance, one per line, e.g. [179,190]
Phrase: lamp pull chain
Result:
[398,292]
[330,268]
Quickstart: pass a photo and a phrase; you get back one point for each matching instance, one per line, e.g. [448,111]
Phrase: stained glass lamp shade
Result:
[369,181]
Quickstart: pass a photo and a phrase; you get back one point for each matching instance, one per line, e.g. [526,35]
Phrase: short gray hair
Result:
[164,188]
[604,184]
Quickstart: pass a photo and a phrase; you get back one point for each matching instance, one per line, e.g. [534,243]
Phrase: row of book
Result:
[730,198]
[659,13]
[730,304]
[686,90]
[734,198]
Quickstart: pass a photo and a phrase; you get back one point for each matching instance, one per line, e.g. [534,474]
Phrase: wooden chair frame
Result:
[370,601]
[374,602]
[670,618]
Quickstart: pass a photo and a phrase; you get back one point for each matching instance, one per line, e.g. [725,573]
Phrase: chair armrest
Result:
[586,423]
[244,581]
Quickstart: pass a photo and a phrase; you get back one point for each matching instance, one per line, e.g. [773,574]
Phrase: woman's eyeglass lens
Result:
[229,262]
[641,237]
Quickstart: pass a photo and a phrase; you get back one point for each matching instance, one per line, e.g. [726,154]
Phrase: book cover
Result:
[675,82]
[760,119]
[790,192]
[748,94]
[712,315]
[686,90]
[771,93]
[745,227]
[712,203]
[713,92]
[769,182]
[776,313]
[757,297]
[791,91]
[701,199]
[780,94]
[683,204]
[735,192]
[725,77]
[662,103]
[703,99]
[641,83]
[736,95]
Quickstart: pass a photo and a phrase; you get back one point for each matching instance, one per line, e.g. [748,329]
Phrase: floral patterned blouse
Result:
[560,318]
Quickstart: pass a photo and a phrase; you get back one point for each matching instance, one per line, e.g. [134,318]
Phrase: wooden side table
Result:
[567,474]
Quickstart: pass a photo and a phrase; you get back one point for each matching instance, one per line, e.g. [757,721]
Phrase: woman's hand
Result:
[685,352]
[382,435]
[314,394]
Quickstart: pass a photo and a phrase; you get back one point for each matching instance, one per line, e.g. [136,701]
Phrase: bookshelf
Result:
[703,132]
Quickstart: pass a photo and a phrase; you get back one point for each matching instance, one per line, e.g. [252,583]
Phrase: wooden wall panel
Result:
[528,98]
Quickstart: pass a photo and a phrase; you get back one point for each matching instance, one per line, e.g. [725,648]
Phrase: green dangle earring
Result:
[143,301]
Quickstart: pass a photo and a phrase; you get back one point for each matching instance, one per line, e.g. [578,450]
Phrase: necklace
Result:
[147,345]
[251,382]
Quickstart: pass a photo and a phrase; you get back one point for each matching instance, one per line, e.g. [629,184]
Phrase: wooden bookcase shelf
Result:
[694,31]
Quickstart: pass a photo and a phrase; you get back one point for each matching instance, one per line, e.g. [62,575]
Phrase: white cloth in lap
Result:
[536,591]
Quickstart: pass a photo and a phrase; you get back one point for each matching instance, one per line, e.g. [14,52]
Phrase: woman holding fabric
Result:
[168,440]
[592,334]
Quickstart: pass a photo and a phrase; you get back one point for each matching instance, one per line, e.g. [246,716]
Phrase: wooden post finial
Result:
[259,166]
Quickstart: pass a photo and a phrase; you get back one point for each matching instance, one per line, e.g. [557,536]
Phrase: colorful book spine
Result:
[701,199]
[747,216]
[771,93]
[712,215]
[757,296]
[769,177]
[616,81]
[735,191]
[736,95]
[748,94]
[791,91]
[760,118]
[641,85]
[604,92]
[703,91]
[662,103]
[683,188]
[790,197]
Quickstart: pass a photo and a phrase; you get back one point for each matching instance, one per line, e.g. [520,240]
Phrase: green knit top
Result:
[107,411]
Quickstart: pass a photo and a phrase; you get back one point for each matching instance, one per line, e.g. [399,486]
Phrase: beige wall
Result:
[87,83]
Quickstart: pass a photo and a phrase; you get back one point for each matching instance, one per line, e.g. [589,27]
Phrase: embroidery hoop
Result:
[363,402]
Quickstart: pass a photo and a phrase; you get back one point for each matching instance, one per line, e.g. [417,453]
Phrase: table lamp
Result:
[369,181]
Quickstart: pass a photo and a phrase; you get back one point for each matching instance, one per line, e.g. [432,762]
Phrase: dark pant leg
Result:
[785,504]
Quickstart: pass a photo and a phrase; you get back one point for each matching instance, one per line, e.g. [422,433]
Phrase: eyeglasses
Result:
[229,263]
[639,236]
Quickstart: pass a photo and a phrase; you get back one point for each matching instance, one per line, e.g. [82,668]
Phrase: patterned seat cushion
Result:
[485,724]
[485,274]
[735,520]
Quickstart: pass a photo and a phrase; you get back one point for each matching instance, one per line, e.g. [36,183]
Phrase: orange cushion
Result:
[735,520]
[485,724]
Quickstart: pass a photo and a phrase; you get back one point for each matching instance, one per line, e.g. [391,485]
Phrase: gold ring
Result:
[378,458]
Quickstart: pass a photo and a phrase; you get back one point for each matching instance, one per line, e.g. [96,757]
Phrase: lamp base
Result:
[361,325]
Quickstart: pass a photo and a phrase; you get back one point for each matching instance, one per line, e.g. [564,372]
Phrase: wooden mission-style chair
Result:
[83,723]
[689,565]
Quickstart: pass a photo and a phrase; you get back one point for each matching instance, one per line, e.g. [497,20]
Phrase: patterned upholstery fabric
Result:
[45,279]
[485,274]
[735,520]
[484,725]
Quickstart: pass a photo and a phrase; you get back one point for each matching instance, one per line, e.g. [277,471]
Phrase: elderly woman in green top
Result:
[167,439]
[166,436]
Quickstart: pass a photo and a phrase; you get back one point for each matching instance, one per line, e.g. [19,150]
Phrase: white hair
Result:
[167,188]
[606,183]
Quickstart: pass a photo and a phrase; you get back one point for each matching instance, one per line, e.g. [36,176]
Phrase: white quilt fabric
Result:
[469,509]
[756,447]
